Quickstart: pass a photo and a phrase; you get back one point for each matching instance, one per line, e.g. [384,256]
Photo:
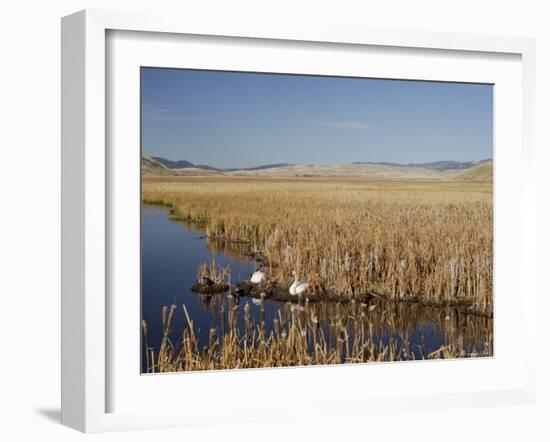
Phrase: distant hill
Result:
[342,170]
[265,166]
[153,167]
[442,166]
[466,171]
[150,166]
[481,172]
[184,164]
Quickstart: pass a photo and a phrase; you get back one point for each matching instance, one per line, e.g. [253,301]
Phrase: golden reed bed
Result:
[428,240]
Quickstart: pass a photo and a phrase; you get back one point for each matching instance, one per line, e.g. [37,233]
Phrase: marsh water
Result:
[171,252]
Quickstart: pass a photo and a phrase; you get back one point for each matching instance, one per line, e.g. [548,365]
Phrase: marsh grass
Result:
[215,273]
[303,335]
[403,239]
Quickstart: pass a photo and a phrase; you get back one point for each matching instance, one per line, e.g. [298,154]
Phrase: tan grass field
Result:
[405,239]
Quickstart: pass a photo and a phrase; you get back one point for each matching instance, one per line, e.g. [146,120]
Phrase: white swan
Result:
[257,277]
[297,287]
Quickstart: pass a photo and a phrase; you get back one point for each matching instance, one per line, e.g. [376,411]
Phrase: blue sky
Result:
[229,119]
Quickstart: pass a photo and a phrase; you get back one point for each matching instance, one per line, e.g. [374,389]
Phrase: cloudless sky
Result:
[229,119]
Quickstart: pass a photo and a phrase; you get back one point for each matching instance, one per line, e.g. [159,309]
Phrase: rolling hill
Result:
[184,164]
[481,172]
[460,171]
[152,167]
[442,166]
[342,170]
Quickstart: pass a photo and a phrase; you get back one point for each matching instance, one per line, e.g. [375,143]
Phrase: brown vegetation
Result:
[403,239]
[310,335]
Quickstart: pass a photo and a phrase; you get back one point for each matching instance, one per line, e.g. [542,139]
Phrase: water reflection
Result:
[172,251]
[414,328]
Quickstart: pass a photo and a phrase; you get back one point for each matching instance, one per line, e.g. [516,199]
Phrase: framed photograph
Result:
[281,216]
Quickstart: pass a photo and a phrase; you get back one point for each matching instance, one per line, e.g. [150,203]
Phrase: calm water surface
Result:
[173,250]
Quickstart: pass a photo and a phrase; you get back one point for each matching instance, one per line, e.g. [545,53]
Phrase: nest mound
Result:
[281,294]
[209,288]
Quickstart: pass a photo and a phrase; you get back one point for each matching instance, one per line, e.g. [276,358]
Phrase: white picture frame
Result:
[86,315]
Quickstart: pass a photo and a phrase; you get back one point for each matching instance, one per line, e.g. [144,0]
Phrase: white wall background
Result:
[30,212]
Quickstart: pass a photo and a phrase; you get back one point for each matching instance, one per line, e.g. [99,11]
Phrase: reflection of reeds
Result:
[234,250]
[346,236]
[299,335]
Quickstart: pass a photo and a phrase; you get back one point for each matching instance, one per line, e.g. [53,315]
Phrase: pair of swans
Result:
[297,288]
